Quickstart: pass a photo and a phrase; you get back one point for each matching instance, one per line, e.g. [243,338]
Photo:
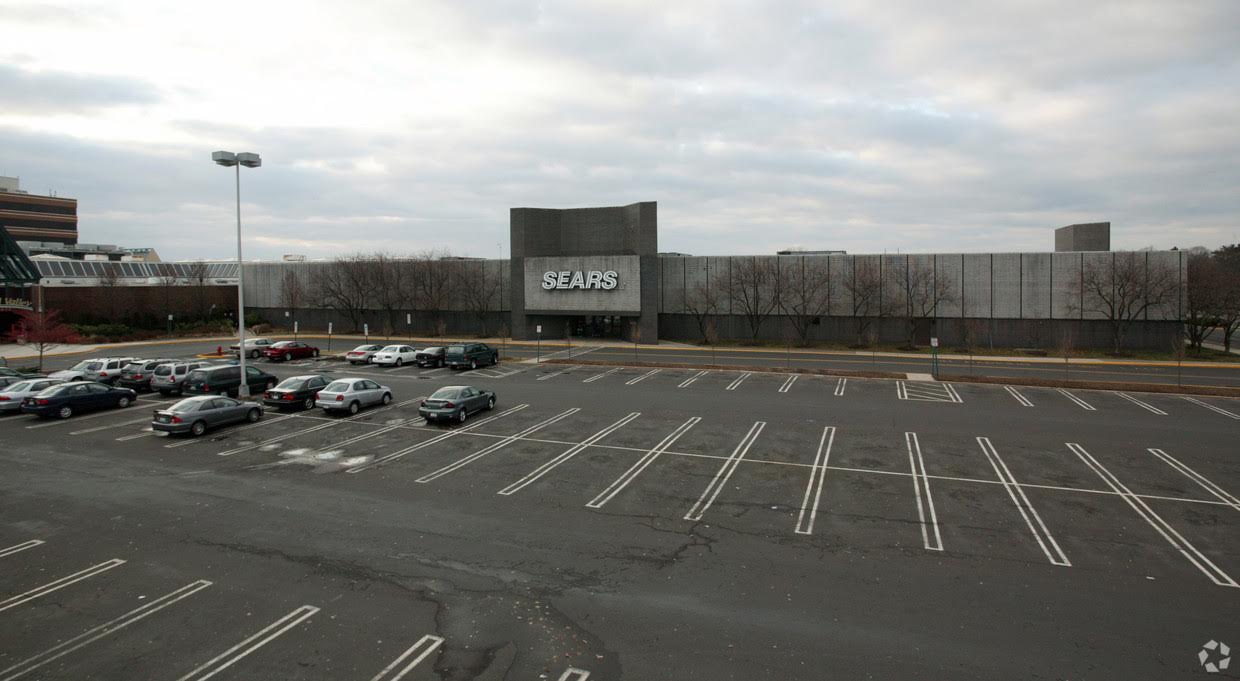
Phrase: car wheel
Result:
[253,415]
[462,415]
[439,364]
[387,398]
[473,364]
[198,428]
[288,357]
[307,403]
[314,353]
[399,362]
[254,354]
[491,403]
[494,359]
[354,407]
[123,401]
[65,412]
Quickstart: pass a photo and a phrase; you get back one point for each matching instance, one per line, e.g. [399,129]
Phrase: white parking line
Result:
[1019,397]
[1027,511]
[951,390]
[234,654]
[264,422]
[788,383]
[567,454]
[739,379]
[21,547]
[99,415]
[927,391]
[145,419]
[557,373]
[839,387]
[312,429]
[91,635]
[689,381]
[1199,560]
[648,458]
[1221,494]
[817,475]
[1148,407]
[147,432]
[595,377]
[60,583]
[572,352]
[424,647]
[438,438]
[1211,407]
[1080,403]
[725,471]
[574,674]
[639,379]
[494,447]
[925,502]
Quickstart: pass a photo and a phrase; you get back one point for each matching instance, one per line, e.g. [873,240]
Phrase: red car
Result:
[287,350]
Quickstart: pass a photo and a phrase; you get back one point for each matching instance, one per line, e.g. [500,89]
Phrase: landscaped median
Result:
[1217,391]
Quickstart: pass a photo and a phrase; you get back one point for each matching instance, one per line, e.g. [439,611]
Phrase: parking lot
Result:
[626,522]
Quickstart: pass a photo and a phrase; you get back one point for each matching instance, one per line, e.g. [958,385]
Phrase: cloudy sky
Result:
[852,124]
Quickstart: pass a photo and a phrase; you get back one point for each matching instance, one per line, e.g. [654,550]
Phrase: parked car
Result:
[362,354]
[351,394]
[470,355]
[254,347]
[66,399]
[13,373]
[170,378]
[394,355]
[12,396]
[456,403]
[138,373]
[298,391]
[6,381]
[289,350]
[194,415]
[102,369]
[429,357]
[226,380]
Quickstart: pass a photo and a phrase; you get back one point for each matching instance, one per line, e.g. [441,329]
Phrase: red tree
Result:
[44,330]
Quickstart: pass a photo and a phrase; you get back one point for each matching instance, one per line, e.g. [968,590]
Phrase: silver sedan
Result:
[11,396]
[351,394]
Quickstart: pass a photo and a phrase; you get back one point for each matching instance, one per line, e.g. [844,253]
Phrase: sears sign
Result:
[568,279]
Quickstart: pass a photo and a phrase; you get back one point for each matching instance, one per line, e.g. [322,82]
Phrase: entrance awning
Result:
[15,268]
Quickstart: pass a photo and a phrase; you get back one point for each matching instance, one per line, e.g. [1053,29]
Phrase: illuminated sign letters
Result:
[592,279]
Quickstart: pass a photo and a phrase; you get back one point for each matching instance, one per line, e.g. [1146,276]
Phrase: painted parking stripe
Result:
[648,458]
[256,640]
[739,379]
[725,471]
[134,422]
[438,438]
[567,454]
[1041,534]
[89,636]
[400,423]
[99,415]
[59,584]
[788,383]
[930,537]
[689,381]
[557,373]
[1024,401]
[839,387]
[1079,402]
[1211,407]
[1144,405]
[495,447]
[146,432]
[1177,541]
[1205,483]
[951,390]
[813,490]
[639,379]
[17,548]
[264,422]
[322,426]
[596,377]
[423,648]
[574,674]
[926,391]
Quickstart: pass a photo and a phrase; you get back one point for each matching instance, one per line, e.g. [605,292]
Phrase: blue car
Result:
[67,399]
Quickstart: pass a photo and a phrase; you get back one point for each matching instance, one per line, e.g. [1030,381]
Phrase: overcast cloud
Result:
[756,125]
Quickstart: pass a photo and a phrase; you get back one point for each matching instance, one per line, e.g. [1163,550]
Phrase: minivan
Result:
[226,380]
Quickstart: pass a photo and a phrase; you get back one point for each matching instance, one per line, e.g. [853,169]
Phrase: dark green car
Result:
[470,356]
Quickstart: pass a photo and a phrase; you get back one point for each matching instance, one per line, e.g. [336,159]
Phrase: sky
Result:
[758,125]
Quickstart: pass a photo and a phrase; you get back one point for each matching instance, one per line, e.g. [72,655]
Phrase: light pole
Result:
[229,159]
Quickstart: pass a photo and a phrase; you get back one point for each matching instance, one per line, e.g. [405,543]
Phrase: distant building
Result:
[798,251]
[1090,236]
[75,251]
[30,217]
[142,255]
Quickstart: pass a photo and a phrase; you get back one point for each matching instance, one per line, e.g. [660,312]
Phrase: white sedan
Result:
[394,355]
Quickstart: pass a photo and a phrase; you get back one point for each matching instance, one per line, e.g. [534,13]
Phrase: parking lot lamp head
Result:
[224,158]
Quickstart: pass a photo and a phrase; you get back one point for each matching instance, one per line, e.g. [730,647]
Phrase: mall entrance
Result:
[598,326]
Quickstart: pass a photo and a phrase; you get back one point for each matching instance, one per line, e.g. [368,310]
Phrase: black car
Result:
[226,380]
[67,399]
[429,357]
[137,374]
[298,391]
[470,355]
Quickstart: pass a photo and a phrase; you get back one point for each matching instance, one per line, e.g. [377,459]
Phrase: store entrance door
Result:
[598,326]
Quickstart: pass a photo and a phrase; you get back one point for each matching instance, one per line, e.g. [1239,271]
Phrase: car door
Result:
[313,386]
[225,410]
[255,379]
[79,397]
[368,392]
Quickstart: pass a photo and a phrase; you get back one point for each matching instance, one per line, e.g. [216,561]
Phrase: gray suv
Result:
[170,378]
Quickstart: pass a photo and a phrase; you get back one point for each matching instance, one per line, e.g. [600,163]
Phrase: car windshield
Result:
[446,394]
[292,384]
[456,349]
[337,387]
[20,387]
[391,348]
[185,405]
[87,365]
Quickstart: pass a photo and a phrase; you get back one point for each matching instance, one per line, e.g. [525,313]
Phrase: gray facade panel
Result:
[1005,291]
[948,273]
[1065,285]
[1035,285]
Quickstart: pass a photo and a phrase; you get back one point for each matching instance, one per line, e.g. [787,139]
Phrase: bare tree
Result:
[863,285]
[393,287]
[433,285]
[702,301]
[198,275]
[346,286]
[166,278]
[479,290]
[804,293]
[292,292]
[923,291]
[1203,298]
[1227,304]
[109,279]
[1122,290]
[752,284]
